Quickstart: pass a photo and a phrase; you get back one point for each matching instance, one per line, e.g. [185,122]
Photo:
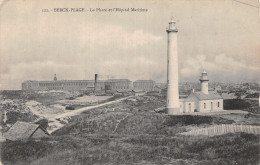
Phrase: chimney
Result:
[96,79]
[55,77]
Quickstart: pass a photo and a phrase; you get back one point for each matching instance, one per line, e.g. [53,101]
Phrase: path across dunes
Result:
[78,111]
[55,121]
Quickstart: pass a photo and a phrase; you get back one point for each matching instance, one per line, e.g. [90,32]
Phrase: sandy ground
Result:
[6,101]
[57,115]
[43,111]
[57,110]
[86,99]
[1,137]
[55,120]
[53,91]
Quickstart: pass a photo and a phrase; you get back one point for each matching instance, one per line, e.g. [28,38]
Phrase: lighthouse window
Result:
[205,106]
[218,104]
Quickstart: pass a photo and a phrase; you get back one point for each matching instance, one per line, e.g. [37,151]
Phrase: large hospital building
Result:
[120,85]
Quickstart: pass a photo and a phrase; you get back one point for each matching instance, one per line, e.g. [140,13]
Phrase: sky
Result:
[221,37]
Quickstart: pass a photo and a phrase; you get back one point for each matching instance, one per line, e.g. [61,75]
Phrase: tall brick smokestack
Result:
[96,79]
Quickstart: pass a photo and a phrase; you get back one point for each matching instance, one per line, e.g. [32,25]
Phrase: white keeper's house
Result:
[203,100]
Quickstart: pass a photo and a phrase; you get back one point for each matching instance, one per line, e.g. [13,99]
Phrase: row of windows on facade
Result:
[124,87]
[73,88]
[89,83]
[143,86]
[66,84]
[118,83]
[205,105]
[60,88]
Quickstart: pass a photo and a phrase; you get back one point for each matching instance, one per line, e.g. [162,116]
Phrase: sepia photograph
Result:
[133,82]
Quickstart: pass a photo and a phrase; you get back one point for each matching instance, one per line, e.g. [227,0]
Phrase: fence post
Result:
[256,128]
[253,129]
[233,128]
[245,130]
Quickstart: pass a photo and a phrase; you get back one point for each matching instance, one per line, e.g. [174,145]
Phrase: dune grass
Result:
[239,148]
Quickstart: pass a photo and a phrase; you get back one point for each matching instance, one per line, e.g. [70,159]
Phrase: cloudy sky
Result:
[219,36]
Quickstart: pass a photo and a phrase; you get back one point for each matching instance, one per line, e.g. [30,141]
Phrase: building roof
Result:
[22,130]
[186,100]
[80,81]
[211,96]
[60,81]
[144,81]
[116,80]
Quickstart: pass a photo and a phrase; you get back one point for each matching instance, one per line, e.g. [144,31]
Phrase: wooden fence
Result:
[223,129]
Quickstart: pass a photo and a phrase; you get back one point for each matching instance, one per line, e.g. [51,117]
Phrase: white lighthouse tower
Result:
[173,105]
[204,82]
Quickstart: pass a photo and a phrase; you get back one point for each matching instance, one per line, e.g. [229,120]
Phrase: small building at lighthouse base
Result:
[203,100]
[200,102]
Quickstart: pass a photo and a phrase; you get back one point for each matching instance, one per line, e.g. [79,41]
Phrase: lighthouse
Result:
[204,81]
[173,105]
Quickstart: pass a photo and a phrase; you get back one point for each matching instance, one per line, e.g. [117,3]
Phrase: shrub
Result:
[220,120]
[43,123]
[70,107]
[235,104]
[254,95]
[14,116]
[21,151]
[71,98]
[188,120]
[80,95]
[239,148]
